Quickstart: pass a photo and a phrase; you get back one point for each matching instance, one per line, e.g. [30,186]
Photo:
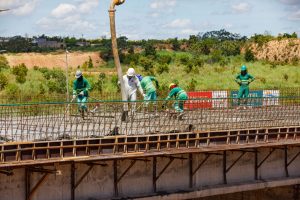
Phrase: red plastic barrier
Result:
[205,100]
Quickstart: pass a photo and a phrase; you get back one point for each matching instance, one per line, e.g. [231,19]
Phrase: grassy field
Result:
[207,77]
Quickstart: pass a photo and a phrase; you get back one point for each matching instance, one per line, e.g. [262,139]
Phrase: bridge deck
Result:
[118,147]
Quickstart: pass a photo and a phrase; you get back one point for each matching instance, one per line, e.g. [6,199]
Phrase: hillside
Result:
[286,50]
[51,60]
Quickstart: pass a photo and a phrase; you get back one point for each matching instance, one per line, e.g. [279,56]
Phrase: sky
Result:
[148,19]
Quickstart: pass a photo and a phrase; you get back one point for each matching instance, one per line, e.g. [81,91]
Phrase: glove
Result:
[74,96]
[81,93]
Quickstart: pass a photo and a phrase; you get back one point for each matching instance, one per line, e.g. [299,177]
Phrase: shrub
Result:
[3,63]
[36,68]
[131,59]
[150,50]
[215,57]
[198,62]
[20,71]
[114,81]
[164,59]
[12,91]
[3,81]
[189,67]
[184,59]
[249,56]
[192,85]
[146,63]
[286,77]
[161,68]
[90,63]
[100,82]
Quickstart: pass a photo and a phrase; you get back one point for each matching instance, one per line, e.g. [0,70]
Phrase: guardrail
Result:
[58,121]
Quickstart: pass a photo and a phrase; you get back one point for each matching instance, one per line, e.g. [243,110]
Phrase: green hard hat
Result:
[244,68]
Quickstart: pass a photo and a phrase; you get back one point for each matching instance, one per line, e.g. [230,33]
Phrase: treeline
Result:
[203,42]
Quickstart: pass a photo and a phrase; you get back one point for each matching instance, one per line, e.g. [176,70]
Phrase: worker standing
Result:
[244,79]
[132,84]
[81,87]
[180,97]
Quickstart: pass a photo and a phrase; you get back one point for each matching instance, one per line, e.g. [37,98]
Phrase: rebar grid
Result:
[57,121]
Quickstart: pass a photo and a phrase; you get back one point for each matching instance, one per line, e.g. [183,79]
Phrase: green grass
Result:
[208,77]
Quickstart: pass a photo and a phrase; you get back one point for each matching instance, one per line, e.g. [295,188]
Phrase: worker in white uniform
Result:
[131,84]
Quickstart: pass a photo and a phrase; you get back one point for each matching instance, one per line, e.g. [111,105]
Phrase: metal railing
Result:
[57,121]
[110,96]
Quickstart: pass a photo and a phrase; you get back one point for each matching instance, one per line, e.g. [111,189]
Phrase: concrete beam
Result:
[225,189]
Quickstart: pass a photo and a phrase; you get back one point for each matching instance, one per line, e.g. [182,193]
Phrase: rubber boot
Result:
[124,117]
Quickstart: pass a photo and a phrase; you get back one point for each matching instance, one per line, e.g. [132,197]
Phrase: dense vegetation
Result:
[204,61]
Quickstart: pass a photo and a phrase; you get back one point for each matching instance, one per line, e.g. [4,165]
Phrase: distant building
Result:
[44,43]
[83,44]
[4,39]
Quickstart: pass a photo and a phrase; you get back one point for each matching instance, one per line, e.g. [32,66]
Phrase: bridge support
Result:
[28,171]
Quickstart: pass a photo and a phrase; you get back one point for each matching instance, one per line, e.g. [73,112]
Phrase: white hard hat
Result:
[130,72]
[78,74]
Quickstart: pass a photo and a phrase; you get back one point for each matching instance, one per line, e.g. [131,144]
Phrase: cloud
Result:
[72,23]
[18,7]
[291,2]
[87,5]
[70,17]
[179,23]
[63,10]
[241,7]
[189,31]
[162,4]
[295,15]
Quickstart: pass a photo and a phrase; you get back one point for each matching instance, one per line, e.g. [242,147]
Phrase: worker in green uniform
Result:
[149,88]
[243,79]
[179,95]
[81,87]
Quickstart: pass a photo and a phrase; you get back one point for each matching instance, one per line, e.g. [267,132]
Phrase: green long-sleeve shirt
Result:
[244,80]
[177,93]
[79,86]
[148,85]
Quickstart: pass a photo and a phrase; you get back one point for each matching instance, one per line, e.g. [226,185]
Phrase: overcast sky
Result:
[144,19]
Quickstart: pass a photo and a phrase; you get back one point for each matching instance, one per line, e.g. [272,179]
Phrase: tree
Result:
[20,71]
[164,59]
[90,63]
[3,81]
[175,44]
[150,50]
[161,68]
[147,64]
[249,56]
[12,91]
[3,63]
[100,82]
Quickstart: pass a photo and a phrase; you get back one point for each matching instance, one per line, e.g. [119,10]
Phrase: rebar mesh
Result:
[57,121]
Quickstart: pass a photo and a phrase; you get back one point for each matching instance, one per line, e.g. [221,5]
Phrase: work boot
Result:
[124,117]
[180,116]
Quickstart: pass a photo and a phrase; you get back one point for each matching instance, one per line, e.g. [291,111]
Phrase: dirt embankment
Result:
[287,50]
[51,60]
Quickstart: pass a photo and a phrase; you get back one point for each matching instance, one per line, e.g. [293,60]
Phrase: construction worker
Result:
[243,79]
[149,88]
[131,84]
[80,90]
[179,95]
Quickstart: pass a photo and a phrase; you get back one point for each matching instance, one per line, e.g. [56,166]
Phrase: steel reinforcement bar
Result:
[58,121]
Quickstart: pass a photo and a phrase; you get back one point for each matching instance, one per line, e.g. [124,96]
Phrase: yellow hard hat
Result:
[172,85]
